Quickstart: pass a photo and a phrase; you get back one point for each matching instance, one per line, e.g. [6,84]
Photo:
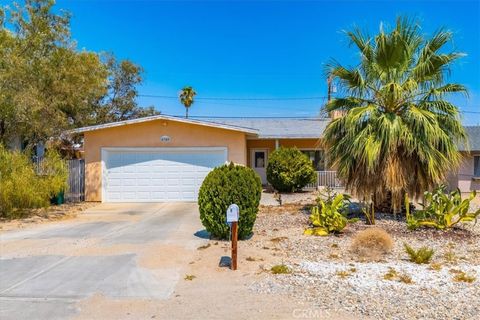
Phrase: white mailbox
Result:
[232,213]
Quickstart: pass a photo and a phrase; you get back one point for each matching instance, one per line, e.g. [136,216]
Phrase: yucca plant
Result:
[398,131]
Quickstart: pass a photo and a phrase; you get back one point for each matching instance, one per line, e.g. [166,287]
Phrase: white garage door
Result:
[157,174]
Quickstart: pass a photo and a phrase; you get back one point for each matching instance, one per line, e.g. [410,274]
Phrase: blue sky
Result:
[267,50]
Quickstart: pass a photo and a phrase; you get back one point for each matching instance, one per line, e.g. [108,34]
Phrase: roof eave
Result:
[162,117]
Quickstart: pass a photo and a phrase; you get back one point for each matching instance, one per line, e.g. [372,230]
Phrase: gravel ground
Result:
[328,274]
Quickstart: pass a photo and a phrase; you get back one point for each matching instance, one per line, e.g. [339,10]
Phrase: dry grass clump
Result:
[206,246]
[346,273]
[405,278]
[280,269]
[450,257]
[372,243]
[464,277]
[435,266]
[393,275]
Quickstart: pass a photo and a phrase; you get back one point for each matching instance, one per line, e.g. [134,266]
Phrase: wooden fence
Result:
[76,181]
[76,178]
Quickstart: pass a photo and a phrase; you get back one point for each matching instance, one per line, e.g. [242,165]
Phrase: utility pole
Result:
[329,90]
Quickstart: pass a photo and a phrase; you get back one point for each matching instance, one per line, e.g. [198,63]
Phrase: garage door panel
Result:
[157,175]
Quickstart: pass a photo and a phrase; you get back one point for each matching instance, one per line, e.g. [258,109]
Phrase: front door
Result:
[259,163]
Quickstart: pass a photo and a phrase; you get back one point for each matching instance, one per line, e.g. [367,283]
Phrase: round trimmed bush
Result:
[222,187]
[289,170]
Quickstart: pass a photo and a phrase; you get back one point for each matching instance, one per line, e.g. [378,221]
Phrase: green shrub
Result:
[289,170]
[422,255]
[442,210]
[328,216]
[21,188]
[222,187]
[280,269]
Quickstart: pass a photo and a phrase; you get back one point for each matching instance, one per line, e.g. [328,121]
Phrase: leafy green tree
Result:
[48,86]
[120,101]
[186,98]
[398,131]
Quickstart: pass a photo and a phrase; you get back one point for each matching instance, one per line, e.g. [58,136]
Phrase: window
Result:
[476,166]
[317,157]
[259,159]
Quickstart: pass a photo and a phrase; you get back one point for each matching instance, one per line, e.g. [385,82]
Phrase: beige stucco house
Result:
[164,158]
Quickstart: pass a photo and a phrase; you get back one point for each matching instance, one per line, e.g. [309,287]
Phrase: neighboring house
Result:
[467,178]
[164,158]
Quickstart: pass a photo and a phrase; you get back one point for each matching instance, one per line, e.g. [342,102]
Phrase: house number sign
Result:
[165,138]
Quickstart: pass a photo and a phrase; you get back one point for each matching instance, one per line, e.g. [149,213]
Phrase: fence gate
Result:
[76,181]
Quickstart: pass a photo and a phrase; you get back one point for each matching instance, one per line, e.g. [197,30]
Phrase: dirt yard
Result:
[44,215]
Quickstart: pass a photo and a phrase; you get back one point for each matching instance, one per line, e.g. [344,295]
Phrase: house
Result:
[165,158]
[467,178]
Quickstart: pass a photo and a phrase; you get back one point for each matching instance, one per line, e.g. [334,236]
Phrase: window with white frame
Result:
[317,157]
[476,166]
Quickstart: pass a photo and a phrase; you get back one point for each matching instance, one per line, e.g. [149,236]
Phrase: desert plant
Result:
[435,266]
[372,243]
[420,256]
[369,212]
[405,278]
[462,276]
[343,274]
[391,274]
[22,188]
[289,170]
[328,216]
[222,187]
[189,277]
[281,269]
[398,131]
[442,210]
[450,257]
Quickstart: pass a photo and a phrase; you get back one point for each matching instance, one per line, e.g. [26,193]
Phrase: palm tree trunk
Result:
[186,112]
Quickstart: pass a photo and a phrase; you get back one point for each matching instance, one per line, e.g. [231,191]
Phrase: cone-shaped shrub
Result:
[222,187]
[289,170]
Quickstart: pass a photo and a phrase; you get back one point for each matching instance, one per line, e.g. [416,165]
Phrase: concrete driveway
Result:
[119,251]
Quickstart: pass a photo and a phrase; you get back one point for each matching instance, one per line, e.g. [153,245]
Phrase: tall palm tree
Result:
[398,132]
[186,98]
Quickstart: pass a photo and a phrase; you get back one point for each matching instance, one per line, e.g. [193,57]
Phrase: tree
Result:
[120,101]
[48,86]
[398,131]
[186,98]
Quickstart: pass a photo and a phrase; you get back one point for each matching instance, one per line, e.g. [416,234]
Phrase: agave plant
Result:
[328,216]
[442,210]
[398,131]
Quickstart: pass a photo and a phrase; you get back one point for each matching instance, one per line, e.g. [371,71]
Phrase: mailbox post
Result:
[232,220]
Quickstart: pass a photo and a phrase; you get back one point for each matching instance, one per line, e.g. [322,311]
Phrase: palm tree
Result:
[186,98]
[398,132]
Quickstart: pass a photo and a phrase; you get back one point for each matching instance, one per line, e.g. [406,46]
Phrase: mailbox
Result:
[232,213]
